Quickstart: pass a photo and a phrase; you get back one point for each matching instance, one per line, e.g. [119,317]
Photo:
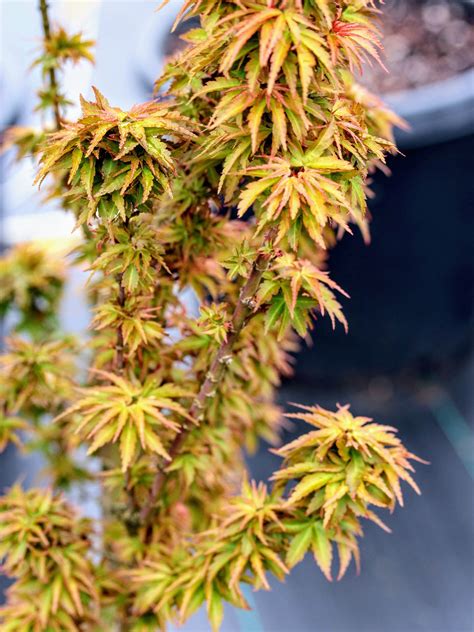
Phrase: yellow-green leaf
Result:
[299,546]
[128,443]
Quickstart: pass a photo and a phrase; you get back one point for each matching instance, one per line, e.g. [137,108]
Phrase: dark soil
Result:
[424,42]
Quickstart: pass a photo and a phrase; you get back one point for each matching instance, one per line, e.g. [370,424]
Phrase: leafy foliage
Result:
[115,159]
[205,218]
[340,470]
[129,412]
[301,194]
[294,287]
[9,428]
[61,47]
[31,284]
[37,375]
[45,546]
[238,550]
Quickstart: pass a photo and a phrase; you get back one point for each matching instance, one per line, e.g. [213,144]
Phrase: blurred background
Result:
[408,357]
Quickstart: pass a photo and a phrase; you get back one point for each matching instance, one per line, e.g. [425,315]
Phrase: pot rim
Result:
[435,112]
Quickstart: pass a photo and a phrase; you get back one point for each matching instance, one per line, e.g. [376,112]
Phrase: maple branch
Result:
[223,357]
[120,366]
[53,82]
[119,345]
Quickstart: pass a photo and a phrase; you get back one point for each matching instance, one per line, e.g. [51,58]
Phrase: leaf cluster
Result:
[329,479]
[61,47]
[294,288]
[37,377]
[336,473]
[114,159]
[45,547]
[128,412]
[31,286]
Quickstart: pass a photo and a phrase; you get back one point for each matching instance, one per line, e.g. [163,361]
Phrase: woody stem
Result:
[53,82]
[243,311]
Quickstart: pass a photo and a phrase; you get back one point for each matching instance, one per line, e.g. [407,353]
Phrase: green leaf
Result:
[99,134]
[328,163]
[299,545]
[231,159]
[345,556]
[87,175]
[75,163]
[252,191]
[280,53]
[355,471]
[120,204]
[160,152]
[218,85]
[128,443]
[113,184]
[322,550]
[230,108]
[130,278]
[147,179]
[279,126]
[105,435]
[215,610]
[275,314]
[254,119]
[154,444]
[309,484]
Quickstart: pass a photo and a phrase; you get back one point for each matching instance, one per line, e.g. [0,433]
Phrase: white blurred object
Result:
[11,103]
[42,226]
[123,28]
[150,49]
[79,16]
[24,216]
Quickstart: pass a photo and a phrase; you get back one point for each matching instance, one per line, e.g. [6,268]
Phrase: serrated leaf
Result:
[154,443]
[280,52]
[254,119]
[120,204]
[309,484]
[345,556]
[279,126]
[146,180]
[113,184]
[300,544]
[322,550]
[215,610]
[76,160]
[355,471]
[229,108]
[128,444]
[252,191]
[87,175]
[275,313]
[328,163]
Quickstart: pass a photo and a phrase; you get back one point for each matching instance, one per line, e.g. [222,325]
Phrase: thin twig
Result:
[53,82]
[243,311]
[119,345]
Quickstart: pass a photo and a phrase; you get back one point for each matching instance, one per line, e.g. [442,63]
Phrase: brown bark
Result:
[119,345]
[242,313]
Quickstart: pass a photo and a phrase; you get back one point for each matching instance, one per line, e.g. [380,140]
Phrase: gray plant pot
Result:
[411,307]
[436,112]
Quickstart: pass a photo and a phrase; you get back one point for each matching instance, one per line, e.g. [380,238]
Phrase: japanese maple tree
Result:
[205,216]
